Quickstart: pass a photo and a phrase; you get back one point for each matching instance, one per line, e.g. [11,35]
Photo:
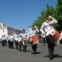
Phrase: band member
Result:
[10,41]
[24,40]
[19,39]
[33,38]
[4,42]
[46,29]
[16,40]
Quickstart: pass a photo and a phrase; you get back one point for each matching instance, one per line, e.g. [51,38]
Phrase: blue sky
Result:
[22,13]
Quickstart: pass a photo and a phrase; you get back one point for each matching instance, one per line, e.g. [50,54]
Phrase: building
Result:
[5,30]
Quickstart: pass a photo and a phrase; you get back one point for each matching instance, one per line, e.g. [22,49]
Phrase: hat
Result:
[49,17]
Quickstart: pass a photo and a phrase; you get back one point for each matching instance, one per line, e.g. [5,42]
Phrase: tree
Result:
[59,13]
[42,17]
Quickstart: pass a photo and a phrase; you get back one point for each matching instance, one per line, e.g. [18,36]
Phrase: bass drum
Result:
[34,39]
[55,37]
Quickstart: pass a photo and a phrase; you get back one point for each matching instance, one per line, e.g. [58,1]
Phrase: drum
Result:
[20,43]
[34,38]
[55,37]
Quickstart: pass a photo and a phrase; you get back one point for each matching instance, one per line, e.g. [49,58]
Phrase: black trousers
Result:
[11,45]
[8,43]
[24,47]
[4,43]
[34,48]
[44,41]
[16,43]
[20,47]
[51,46]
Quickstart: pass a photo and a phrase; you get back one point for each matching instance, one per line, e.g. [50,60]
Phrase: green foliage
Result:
[59,13]
[40,19]
[59,9]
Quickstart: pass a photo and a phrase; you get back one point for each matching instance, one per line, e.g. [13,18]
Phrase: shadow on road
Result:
[55,56]
[37,53]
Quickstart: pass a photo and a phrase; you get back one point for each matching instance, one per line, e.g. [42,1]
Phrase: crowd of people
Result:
[48,34]
[22,39]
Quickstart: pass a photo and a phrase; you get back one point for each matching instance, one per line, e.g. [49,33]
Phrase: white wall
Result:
[3,31]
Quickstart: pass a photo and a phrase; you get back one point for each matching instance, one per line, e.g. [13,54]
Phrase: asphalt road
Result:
[13,55]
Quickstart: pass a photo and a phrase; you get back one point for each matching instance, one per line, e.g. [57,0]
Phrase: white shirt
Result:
[32,32]
[47,26]
[11,38]
[24,35]
[17,37]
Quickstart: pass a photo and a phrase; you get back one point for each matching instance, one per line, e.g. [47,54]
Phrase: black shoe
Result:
[51,57]
[34,53]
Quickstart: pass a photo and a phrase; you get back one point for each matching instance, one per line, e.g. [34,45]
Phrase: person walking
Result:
[33,38]
[46,29]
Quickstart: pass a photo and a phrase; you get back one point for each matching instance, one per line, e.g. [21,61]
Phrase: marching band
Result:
[22,39]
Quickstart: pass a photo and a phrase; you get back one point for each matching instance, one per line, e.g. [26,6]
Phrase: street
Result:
[13,55]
